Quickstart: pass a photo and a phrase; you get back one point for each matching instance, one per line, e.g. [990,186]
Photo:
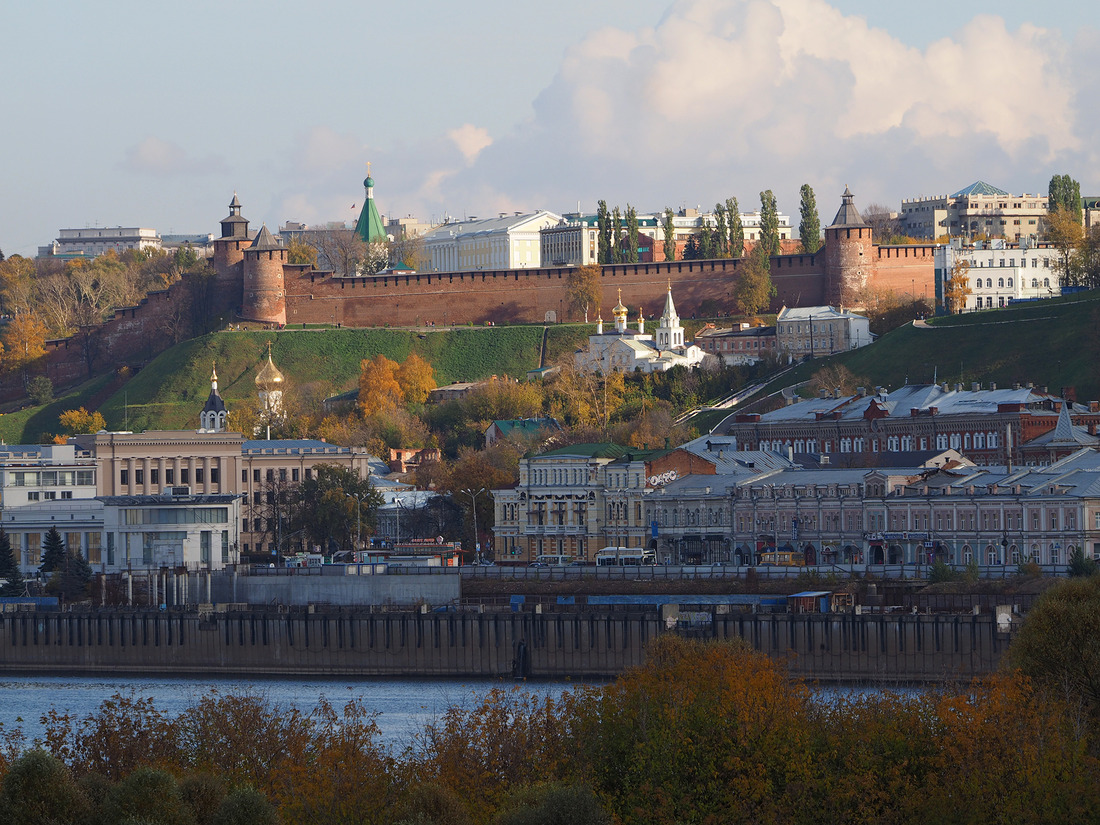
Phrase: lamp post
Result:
[358,516]
[473,494]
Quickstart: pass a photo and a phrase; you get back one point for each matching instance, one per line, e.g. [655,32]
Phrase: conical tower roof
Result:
[848,215]
[214,402]
[670,308]
[369,226]
[264,241]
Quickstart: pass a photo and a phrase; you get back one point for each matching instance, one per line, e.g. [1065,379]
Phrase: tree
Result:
[24,340]
[630,256]
[769,224]
[378,386]
[53,552]
[77,422]
[72,577]
[603,224]
[884,222]
[10,570]
[299,252]
[38,789]
[737,229]
[809,228]
[1080,564]
[340,250]
[691,248]
[668,230]
[246,806]
[617,236]
[39,388]
[958,286]
[582,288]
[1066,233]
[416,379]
[1064,192]
[1059,644]
[333,504]
[754,289]
[721,235]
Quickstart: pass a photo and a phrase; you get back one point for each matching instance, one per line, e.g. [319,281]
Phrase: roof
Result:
[525,425]
[979,187]
[822,313]
[369,226]
[160,500]
[265,241]
[601,450]
[1065,434]
[848,215]
[486,225]
[292,446]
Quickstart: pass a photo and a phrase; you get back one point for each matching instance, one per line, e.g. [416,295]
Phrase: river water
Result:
[403,705]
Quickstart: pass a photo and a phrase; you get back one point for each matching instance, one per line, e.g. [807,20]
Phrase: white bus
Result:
[622,556]
[551,560]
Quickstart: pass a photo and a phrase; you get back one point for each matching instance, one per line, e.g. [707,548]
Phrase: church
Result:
[625,350]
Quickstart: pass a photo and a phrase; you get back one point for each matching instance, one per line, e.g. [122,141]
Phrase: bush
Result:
[940,572]
[1080,564]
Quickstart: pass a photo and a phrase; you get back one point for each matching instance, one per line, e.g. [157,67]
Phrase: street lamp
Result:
[358,516]
[473,494]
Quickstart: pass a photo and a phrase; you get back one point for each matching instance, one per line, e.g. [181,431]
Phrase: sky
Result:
[154,114]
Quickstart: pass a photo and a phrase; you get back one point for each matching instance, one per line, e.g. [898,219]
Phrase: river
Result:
[403,705]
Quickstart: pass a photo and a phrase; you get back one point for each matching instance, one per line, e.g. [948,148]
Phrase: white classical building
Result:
[505,242]
[625,350]
[88,243]
[1000,272]
[979,209]
[814,331]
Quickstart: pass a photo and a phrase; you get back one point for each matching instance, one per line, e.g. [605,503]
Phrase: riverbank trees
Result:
[704,732]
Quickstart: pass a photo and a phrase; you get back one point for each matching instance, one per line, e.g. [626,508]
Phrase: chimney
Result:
[958,387]
[992,387]
[975,386]
[823,393]
[861,392]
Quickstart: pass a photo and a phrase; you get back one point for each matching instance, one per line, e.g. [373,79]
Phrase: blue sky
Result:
[154,114]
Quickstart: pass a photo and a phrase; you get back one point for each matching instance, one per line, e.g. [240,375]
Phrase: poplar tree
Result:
[617,236]
[809,229]
[603,225]
[670,235]
[631,256]
[769,223]
[1064,193]
[737,229]
[722,241]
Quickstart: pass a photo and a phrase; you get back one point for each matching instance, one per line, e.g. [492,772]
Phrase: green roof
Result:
[601,450]
[369,226]
[979,187]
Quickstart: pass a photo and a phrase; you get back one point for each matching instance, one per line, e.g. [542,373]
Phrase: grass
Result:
[35,425]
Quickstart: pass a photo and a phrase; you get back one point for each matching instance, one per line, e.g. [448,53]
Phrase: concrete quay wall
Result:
[839,647]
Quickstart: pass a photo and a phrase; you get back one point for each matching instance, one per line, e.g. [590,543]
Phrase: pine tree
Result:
[9,569]
[72,577]
[603,224]
[769,223]
[737,229]
[670,235]
[809,229]
[53,552]
[691,248]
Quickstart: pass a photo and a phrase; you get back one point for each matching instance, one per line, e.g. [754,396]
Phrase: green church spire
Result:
[369,226]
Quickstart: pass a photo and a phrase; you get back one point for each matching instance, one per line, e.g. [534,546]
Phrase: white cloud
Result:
[470,140]
[733,96]
[156,156]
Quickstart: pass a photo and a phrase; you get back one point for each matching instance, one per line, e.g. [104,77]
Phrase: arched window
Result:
[1001,282]
[1034,283]
[989,283]
[1046,282]
[1010,283]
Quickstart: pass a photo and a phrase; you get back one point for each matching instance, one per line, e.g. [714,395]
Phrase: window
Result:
[215,473]
[294,474]
[185,475]
[244,476]
[33,496]
[139,476]
[256,476]
[198,475]
[154,476]
[124,478]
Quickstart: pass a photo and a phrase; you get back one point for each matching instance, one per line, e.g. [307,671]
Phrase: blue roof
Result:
[979,187]
[292,445]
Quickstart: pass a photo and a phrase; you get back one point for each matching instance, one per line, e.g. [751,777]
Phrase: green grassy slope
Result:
[170,391]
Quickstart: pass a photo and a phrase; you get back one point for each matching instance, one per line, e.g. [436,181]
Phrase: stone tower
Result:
[229,254]
[849,262]
[264,296]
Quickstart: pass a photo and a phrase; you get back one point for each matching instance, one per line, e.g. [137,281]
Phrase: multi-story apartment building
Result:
[999,273]
[979,209]
[988,426]
[88,243]
[811,332]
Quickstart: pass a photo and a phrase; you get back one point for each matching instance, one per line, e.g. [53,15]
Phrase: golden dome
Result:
[619,308]
[269,376]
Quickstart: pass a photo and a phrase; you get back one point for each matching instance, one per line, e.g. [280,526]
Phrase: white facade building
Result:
[88,243]
[815,331]
[504,242]
[1000,272]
